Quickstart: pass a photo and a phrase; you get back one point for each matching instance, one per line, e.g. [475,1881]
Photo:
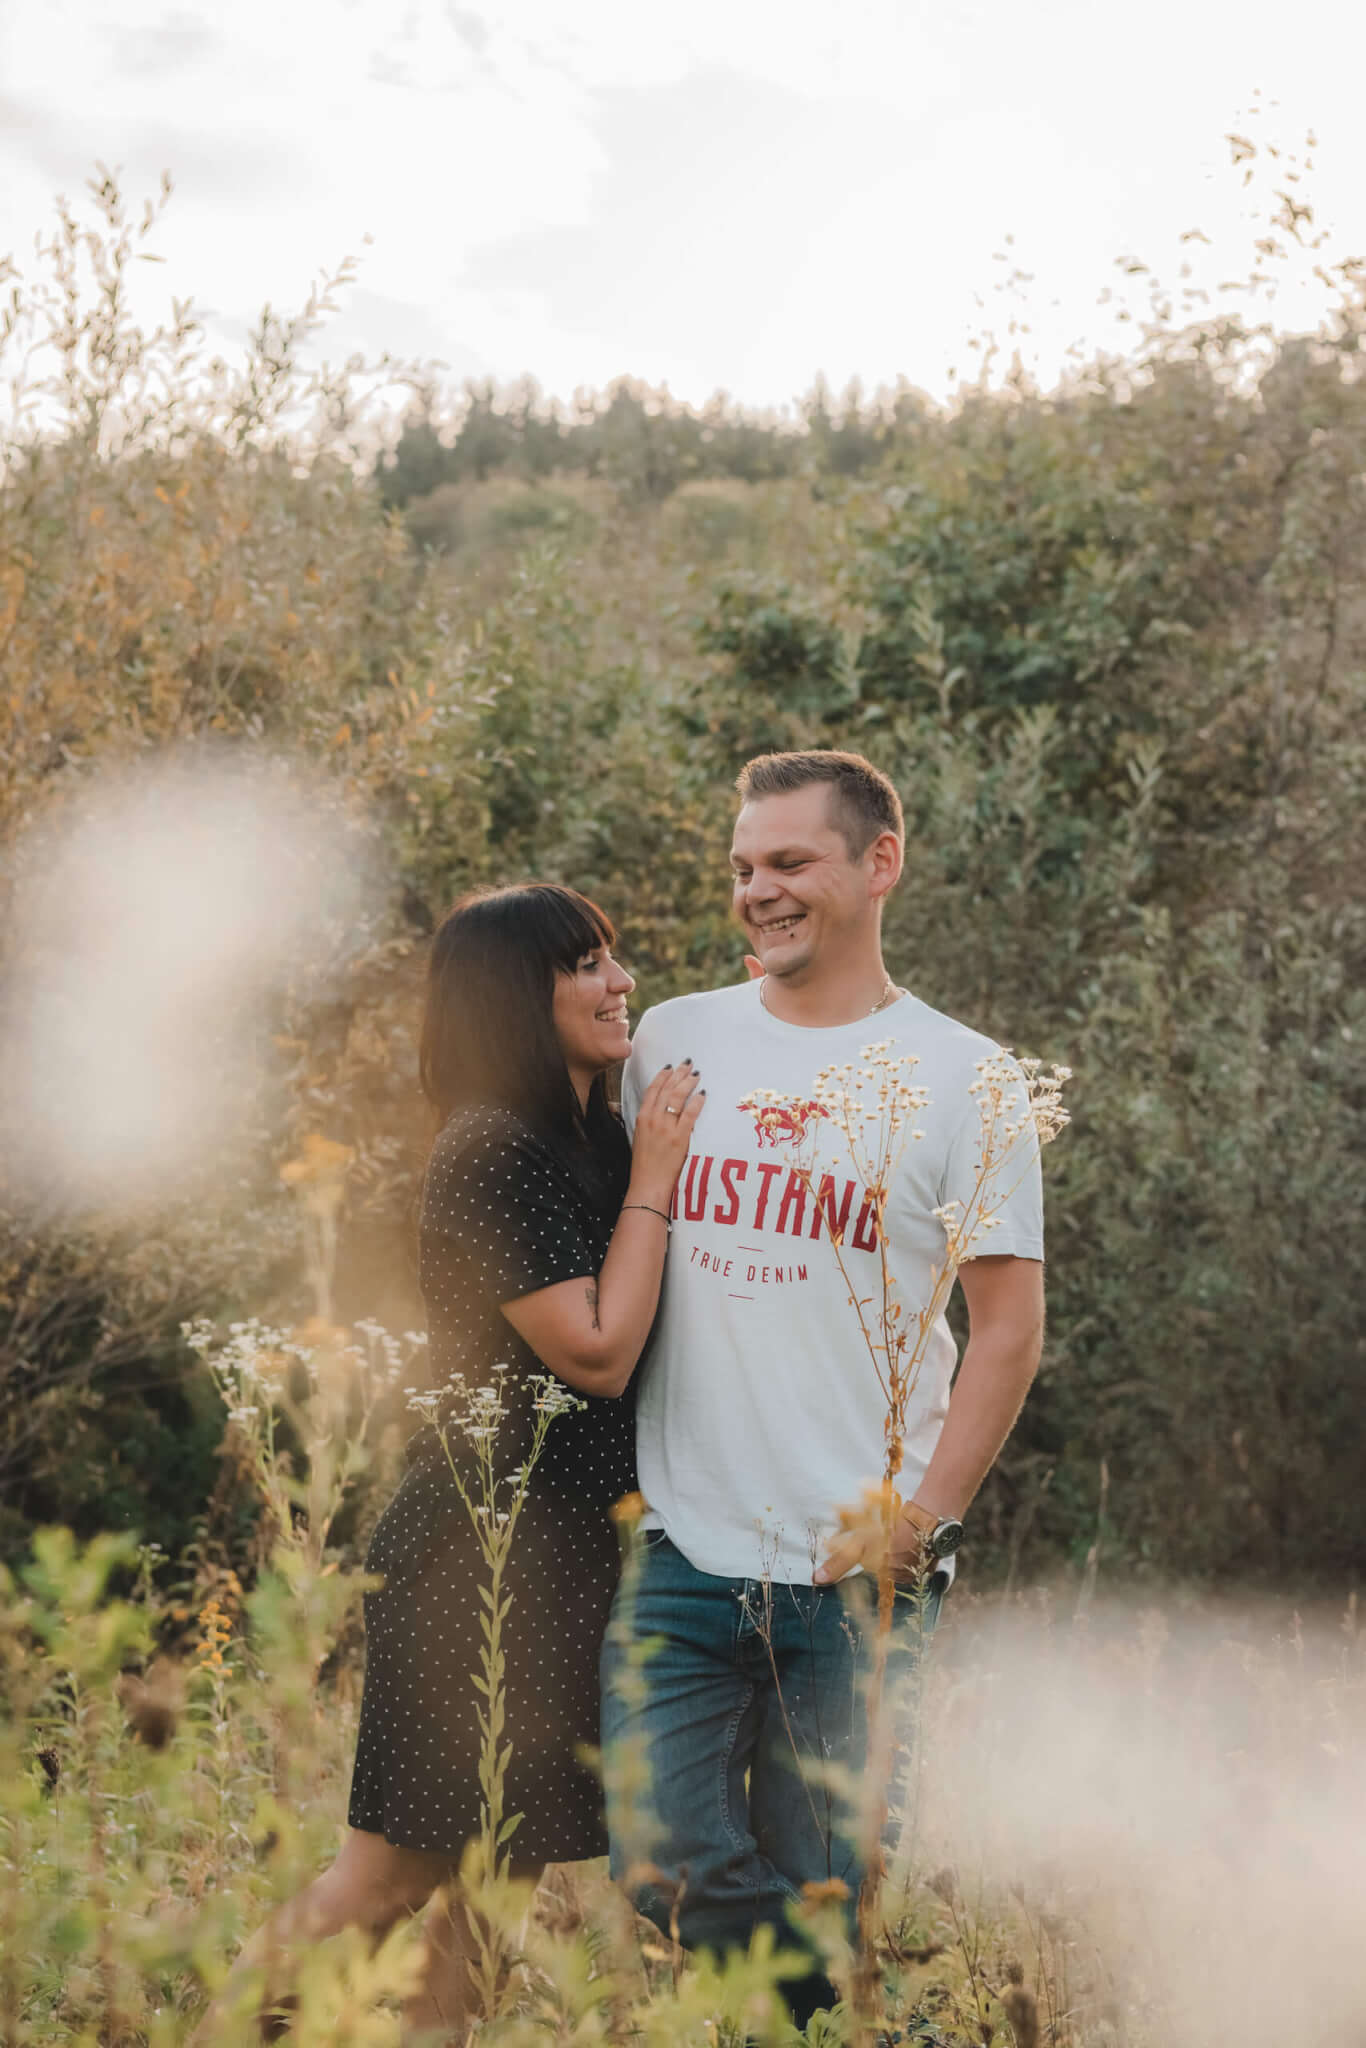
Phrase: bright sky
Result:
[733,194]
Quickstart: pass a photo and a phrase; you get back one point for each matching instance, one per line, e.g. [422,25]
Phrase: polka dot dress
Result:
[504,1214]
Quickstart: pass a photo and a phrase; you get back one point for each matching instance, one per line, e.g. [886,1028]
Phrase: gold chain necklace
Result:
[890,993]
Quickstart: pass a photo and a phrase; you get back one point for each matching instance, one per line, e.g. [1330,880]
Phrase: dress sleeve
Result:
[497,1195]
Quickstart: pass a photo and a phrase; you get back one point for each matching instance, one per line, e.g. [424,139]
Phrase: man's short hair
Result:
[863,801]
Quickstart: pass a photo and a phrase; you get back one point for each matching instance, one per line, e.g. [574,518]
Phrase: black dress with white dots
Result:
[505,1213]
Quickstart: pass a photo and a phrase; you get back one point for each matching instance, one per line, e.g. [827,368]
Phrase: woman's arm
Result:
[591,1331]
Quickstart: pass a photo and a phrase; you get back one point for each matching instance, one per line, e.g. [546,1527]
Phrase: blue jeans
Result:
[715,1738]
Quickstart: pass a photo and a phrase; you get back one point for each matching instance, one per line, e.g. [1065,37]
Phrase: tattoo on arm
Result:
[592,1292]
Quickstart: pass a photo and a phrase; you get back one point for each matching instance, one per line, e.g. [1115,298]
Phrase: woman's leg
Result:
[440,2007]
[371,1885]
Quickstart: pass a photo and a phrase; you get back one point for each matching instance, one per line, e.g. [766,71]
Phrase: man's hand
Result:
[863,1537]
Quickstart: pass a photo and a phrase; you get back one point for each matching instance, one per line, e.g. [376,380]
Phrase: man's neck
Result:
[834,996]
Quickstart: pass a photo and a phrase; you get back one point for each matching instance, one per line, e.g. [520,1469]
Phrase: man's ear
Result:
[883,862]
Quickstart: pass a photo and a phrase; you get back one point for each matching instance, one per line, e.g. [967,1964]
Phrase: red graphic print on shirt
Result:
[784,1123]
[778,1198]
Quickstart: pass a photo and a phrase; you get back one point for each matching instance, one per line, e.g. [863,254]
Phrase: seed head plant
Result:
[870,1110]
[467,1422]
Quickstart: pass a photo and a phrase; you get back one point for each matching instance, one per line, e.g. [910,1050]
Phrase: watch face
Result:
[945,1539]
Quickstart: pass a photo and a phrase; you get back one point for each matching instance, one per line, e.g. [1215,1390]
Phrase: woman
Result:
[542,1240]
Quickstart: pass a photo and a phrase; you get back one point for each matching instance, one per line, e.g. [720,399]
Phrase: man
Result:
[760,1413]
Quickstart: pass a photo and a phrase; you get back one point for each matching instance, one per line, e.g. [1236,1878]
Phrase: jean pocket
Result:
[919,1605]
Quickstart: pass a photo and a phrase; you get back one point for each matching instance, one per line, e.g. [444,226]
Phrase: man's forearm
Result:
[997,1371]
[1005,1311]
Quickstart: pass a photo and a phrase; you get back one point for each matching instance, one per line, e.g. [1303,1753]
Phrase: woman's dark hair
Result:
[488,1030]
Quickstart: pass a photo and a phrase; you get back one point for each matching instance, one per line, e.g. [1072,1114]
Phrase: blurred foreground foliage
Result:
[1088,1845]
[1109,641]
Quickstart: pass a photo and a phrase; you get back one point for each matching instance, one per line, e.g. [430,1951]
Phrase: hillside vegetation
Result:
[1110,642]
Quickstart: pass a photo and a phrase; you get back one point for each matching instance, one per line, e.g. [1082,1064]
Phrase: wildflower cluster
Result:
[551,1397]
[874,1105]
[1019,1109]
[252,1364]
[476,1414]
[317,1177]
[385,1355]
[311,1387]
[321,1167]
[215,1633]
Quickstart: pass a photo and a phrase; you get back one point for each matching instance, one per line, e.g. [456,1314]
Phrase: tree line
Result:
[1109,640]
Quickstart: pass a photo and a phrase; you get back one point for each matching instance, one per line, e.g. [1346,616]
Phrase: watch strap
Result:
[927,1525]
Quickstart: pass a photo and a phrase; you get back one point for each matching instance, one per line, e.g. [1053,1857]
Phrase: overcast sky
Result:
[732,194]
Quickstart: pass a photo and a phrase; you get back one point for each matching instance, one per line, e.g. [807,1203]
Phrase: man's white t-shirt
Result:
[760,1412]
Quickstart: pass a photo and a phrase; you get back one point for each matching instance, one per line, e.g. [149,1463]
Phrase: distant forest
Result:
[1109,640]
[641,440]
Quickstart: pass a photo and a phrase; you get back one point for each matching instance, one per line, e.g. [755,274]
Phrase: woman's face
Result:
[590,1013]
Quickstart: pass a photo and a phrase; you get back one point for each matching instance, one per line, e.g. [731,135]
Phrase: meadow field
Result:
[1119,1820]
[274,688]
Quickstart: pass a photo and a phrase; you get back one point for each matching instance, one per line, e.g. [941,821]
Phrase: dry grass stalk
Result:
[872,1109]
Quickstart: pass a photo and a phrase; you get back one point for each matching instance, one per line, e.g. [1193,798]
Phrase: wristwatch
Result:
[940,1535]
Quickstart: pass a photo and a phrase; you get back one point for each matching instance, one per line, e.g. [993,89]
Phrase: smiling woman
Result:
[508,969]
[542,1238]
[590,1016]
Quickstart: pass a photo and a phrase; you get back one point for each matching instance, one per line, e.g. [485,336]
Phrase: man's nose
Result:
[761,887]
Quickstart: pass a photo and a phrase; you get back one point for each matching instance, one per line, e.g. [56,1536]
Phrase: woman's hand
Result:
[668,1110]
[591,1331]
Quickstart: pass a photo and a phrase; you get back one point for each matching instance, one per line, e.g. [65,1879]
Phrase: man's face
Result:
[798,891]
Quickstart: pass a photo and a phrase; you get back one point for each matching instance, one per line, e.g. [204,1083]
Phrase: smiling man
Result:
[760,1414]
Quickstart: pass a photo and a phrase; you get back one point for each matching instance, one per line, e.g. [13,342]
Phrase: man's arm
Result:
[1005,1340]
[1005,1314]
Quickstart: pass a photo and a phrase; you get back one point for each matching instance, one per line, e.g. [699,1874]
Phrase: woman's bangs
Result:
[581,928]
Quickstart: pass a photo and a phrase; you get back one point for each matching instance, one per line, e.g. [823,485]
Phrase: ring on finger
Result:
[670,1112]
